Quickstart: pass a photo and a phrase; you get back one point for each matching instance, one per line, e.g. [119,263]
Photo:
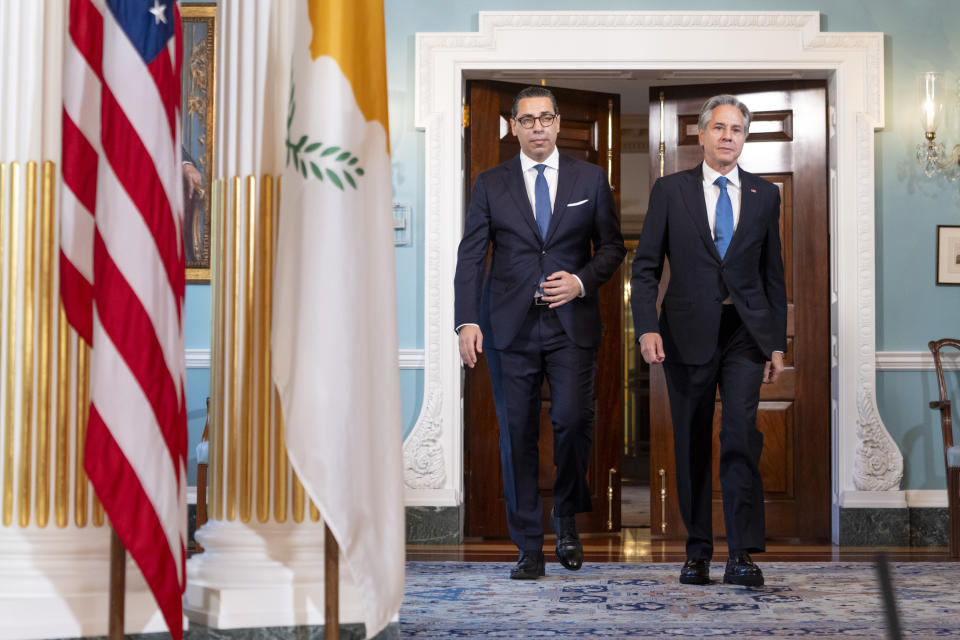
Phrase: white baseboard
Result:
[926,498]
[914,498]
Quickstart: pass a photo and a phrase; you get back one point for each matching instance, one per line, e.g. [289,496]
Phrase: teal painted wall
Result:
[910,309]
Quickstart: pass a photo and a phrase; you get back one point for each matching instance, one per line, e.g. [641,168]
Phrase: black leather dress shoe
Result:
[530,566]
[741,570]
[569,549]
[695,572]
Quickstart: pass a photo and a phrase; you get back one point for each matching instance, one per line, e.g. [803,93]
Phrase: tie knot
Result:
[540,168]
[721,182]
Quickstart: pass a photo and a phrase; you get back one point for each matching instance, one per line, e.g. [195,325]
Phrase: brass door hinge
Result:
[466,116]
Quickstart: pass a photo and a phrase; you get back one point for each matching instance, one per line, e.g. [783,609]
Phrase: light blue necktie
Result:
[724,222]
[541,199]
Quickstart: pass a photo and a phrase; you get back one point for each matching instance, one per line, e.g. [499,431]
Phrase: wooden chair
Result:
[202,480]
[951,453]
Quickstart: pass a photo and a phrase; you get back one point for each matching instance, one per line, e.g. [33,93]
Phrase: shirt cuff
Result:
[466,324]
[583,291]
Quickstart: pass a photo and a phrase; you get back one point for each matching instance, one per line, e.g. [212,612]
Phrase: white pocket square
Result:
[577,204]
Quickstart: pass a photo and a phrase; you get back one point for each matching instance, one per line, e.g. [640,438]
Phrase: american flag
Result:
[122,272]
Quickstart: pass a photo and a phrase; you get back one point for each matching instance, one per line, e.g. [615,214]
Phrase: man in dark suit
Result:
[555,234]
[723,323]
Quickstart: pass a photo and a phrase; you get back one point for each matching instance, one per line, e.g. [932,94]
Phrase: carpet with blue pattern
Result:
[642,600]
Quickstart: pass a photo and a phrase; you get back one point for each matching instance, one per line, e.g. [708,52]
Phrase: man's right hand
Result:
[471,344]
[651,347]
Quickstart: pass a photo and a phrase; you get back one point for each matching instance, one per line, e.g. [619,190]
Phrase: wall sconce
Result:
[932,93]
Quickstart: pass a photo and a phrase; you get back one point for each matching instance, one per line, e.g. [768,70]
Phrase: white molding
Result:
[913,498]
[411,359]
[663,41]
[895,499]
[198,358]
[430,498]
[926,498]
[916,361]
[406,358]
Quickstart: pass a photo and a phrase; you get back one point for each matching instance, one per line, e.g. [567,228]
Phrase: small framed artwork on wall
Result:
[948,254]
[198,108]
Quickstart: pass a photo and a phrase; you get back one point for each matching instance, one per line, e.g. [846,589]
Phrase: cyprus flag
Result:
[335,328]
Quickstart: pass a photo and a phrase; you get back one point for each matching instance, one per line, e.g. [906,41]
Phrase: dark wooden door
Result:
[787,145]
[589,130]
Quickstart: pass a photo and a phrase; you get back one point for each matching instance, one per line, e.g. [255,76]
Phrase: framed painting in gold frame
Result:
[198,90]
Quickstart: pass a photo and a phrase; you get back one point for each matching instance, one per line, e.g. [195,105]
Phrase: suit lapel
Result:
[566,179]
[518,190]
[697,208]
[749,207]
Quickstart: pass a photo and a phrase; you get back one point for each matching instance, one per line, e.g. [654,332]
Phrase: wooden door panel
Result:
[587,121]
[775,422]
[787,146]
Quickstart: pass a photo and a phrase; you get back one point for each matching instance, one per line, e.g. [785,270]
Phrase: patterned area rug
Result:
[637,600]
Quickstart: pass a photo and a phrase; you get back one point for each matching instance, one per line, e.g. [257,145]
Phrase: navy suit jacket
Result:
[751,272]
[583,239]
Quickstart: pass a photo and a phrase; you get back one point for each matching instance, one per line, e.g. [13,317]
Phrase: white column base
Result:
[263,575]
[55,583]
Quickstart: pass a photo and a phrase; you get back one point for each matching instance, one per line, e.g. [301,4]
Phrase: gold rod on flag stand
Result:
[265,383]
[98,516]
[213,400]
[280,466]
[61,496]
[246,389]
[298,498]
[231,465]
[221,362]
[118,579]
[331,585]
[80,505]
[11,295]
[26,385]
[44,397]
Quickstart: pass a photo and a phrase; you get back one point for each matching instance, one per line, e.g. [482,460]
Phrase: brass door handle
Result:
[663,500]
[610,475]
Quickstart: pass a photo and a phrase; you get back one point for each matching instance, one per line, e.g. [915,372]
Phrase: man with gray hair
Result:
[722,325]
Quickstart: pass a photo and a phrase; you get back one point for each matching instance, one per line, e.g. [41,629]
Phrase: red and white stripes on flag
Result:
[122,272]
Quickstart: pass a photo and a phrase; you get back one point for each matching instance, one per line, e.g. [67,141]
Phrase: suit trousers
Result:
[542,349]
[737,369]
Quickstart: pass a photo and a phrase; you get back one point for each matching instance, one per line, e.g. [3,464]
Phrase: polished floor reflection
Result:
[634,544]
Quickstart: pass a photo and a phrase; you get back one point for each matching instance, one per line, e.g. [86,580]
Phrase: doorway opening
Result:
[642,492]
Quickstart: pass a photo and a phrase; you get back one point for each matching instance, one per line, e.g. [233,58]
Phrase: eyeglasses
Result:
[546,119]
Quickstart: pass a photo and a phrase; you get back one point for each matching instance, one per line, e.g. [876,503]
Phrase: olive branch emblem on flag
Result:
[328,161]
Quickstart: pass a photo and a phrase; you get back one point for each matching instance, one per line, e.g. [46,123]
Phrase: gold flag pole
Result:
[118,578]
[331,588]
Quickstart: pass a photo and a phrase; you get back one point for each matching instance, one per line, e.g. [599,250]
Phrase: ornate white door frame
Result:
[866,464]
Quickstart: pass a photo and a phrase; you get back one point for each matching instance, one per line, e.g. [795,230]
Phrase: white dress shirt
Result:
[529,167]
